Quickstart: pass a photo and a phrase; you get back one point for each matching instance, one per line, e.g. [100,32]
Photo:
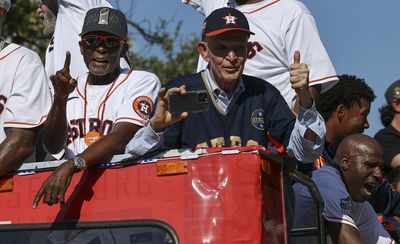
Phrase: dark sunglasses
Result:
[109,41]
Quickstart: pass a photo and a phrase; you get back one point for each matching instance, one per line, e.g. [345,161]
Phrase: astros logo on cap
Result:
[230,19]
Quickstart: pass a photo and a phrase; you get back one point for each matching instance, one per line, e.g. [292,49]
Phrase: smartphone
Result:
[192,101]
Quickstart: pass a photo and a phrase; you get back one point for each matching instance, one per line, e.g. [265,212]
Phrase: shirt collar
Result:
[216,90]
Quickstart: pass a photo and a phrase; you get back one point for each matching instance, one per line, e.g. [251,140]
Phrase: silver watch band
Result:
[79,163]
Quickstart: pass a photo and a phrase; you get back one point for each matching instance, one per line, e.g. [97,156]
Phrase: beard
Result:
[49,23]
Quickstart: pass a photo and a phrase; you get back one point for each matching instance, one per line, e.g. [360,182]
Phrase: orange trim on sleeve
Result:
[128,118]
[102,103]
[15,49]
[25,123]
[269,4]
[325,78]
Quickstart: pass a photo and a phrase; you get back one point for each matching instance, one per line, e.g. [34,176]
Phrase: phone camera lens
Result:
[202,98]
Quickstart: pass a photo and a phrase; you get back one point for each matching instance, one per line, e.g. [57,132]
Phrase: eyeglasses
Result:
[109,41]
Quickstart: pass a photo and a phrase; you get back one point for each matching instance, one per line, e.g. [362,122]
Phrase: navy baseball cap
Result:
[393,92]
[105,20]
[225,19]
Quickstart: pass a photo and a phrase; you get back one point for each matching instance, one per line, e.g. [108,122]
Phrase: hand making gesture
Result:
[62,81]
[299,73]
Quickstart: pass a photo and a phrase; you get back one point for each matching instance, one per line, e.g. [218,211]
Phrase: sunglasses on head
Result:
[109,41]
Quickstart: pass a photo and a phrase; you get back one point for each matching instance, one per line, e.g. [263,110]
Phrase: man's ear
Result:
[81,47]
[340,112]
[345,162]
[203,50]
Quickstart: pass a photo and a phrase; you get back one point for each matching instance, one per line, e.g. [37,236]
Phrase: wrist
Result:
[70,166]
[305,99]
[60,99]
[156,126]
[79,163]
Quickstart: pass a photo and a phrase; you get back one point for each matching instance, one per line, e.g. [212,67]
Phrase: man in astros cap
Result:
[243,109]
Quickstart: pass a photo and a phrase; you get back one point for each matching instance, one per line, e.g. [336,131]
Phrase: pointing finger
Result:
[296,57]
[67,61]
[38,197]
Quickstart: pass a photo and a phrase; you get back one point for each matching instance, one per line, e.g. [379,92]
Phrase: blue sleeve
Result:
[280,118]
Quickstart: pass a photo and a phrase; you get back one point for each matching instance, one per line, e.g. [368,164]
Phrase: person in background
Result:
[345,186]
[24,100]
[389,137]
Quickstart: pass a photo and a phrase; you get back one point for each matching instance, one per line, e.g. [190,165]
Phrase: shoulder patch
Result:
[346,204]
[257,119]
[143,106]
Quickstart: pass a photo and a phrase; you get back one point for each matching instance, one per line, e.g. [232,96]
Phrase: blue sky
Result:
[361,37]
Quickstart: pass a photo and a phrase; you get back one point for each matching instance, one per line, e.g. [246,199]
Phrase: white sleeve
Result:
[29,101]
[80,7]
[205,7]
[299,147]
[139,98]
[302,34]
[144,141]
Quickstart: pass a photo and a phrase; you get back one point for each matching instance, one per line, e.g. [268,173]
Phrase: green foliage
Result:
[174,65]
[23,26]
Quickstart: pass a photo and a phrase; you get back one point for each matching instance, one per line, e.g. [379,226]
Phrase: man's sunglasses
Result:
[109,41]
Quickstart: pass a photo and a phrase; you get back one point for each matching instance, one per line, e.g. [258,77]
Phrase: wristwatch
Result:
[79,163]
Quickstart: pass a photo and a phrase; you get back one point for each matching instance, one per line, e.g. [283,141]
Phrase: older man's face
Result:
[49,20]
[227,54]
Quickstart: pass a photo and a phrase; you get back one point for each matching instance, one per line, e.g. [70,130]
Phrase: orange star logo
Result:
[230,19]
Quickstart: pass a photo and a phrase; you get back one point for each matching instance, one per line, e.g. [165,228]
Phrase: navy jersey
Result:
[259,109]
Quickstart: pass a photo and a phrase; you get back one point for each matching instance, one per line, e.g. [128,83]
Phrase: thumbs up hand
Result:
[299,80]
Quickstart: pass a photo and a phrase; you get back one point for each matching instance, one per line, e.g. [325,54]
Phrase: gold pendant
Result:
[91,137]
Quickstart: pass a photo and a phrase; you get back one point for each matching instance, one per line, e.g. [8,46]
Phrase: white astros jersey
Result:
[70,17]
[281,27]
[131,99]
[339,208]
[24,92]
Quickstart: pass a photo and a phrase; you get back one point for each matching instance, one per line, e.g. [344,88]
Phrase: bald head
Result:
[357,144]
[359,158]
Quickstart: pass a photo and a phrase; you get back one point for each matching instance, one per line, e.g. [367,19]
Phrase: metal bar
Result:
[321,225]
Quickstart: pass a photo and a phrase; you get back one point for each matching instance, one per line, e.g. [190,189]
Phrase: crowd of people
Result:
[269,80]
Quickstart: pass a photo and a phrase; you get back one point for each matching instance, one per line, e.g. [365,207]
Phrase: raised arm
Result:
[307,138]
[55,129]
